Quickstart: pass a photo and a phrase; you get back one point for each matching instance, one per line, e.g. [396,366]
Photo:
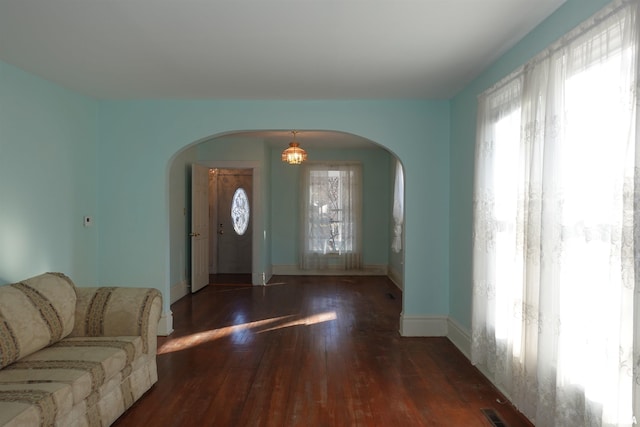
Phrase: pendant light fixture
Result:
[294,155]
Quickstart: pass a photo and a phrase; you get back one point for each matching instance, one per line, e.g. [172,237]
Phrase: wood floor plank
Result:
[228,405]
[309,351]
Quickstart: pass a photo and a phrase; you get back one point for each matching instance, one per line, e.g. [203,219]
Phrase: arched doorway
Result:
[275,197]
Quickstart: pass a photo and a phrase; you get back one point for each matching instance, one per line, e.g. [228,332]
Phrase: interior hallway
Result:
[309,351]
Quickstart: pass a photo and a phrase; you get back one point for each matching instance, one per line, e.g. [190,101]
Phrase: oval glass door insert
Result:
[240,211]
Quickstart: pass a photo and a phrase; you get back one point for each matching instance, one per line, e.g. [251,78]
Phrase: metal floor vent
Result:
[493,418]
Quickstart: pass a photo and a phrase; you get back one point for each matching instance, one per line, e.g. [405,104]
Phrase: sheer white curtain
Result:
[553,272]
[398,208]
[331,216]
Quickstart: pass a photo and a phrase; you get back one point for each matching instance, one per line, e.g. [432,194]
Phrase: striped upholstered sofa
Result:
[73,356]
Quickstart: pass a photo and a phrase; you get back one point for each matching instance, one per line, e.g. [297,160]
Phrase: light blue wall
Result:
[268,191]
[286,205]
[47,179]
[137,139]
[284,208]
[63,156]
[463,120]
[231,148]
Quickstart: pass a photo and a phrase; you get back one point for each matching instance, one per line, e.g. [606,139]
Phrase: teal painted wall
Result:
[230,148]
[375,217]
[63,156]
[284,208]
[137,140]
[268,191]
[47,179]
[463,130]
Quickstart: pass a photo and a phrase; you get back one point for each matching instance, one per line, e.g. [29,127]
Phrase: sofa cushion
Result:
[84,363]
[78,372]
[33,404]
[35,313]
[118,311]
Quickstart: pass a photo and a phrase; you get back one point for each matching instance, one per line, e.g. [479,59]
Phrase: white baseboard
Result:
[165,325]
[178,290]
[423,326]
[260,279]
[437,326]
[459,336]
[367,270]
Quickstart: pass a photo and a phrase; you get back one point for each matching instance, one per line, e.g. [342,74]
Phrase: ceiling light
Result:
[294,155]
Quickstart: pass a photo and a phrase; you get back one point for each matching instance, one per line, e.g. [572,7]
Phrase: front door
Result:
[234,224]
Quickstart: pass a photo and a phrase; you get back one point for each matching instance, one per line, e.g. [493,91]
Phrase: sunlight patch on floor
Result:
[311,320]
[272,324]
[188,341]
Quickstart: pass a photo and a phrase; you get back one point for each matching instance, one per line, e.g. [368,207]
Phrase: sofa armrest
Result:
[118,311]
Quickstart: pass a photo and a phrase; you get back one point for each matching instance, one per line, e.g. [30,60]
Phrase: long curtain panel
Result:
[555,194]
[331,216]
[398,208]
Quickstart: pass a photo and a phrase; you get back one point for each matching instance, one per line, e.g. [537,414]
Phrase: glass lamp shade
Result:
[294,155]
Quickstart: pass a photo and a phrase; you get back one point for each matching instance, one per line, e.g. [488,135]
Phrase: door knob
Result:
[194,234]
[221,229]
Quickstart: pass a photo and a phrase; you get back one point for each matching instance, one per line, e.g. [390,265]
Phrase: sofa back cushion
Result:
[119,311]
[35,313]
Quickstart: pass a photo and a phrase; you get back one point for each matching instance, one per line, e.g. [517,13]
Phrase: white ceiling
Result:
[263,49]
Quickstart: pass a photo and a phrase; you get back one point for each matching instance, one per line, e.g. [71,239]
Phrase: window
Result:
[331,216]
[240,211]
[553,247]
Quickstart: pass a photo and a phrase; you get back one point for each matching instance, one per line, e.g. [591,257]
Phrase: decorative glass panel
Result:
[240,211]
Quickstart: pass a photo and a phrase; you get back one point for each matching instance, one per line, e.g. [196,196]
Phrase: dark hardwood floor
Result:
[309,351]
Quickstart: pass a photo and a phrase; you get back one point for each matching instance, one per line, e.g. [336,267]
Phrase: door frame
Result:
[258,275]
